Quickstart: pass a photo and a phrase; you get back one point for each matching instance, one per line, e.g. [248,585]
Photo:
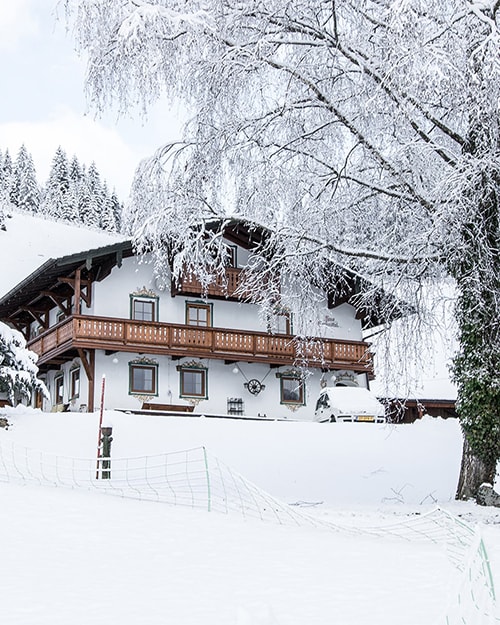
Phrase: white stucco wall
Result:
[223,382]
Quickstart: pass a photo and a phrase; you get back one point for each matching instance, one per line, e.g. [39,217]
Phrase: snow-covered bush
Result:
[18,370]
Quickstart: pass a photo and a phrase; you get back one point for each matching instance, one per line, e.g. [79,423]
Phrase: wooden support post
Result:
[81,287]
[88,362]
[78,291]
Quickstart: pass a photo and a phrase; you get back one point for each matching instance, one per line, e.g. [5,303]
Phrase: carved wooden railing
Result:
[181,340]
[223,287]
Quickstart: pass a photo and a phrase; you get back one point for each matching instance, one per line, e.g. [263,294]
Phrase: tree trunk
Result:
[474,471]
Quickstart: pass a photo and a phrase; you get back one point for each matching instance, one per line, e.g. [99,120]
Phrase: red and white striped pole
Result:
[99,434]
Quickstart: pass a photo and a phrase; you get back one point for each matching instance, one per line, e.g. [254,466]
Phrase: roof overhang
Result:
[95,265]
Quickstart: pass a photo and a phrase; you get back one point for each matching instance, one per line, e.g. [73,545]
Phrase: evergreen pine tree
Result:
[18,370]
[96,197]
[25,192]
[7,174]
[83,198]
[107,217]
[75,171]
[55,201]
[117,210]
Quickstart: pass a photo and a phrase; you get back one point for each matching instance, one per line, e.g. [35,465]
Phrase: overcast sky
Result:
[43,103]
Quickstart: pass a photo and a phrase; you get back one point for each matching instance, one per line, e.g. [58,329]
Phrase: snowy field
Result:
[71,556]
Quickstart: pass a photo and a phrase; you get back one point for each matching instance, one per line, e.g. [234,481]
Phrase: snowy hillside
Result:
[29,241]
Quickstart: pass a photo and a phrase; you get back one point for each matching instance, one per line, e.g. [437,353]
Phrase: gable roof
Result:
[97,264]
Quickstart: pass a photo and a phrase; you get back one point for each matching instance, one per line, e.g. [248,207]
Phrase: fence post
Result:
[207,474]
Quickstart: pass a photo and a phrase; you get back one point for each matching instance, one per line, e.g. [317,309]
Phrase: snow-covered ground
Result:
[81,557]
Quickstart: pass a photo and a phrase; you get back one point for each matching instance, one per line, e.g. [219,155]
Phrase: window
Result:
[143,379]
[198,314]
[60,316]
[59,389]
[292,390]
[232,256]
[235,406]
[280,322]
[144,308]
[283,325]
[193,382]
[74,383]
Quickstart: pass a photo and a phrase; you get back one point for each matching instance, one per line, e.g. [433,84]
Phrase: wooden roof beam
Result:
[79,284]
[59,301]
[38,314]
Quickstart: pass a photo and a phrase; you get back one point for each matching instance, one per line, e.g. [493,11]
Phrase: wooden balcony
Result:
[222,288]
[84,332]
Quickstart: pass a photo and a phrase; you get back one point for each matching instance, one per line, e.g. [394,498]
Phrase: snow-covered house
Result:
[102,313]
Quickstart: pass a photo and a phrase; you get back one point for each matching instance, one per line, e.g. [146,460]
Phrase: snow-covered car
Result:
[348,403]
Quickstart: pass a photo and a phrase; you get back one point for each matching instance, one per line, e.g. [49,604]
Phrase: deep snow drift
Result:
[73,556]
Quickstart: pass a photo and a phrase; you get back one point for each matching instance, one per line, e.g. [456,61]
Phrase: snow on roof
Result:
[354,400]
[30,241]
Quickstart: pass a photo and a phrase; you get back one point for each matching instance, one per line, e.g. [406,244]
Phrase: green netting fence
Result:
[197,479]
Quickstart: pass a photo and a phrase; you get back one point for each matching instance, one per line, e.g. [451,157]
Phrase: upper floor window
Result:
[198,314]
[232,256]
[143,308]
[280,322]
[283,323]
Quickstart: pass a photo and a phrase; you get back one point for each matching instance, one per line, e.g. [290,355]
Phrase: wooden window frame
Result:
[204,385]
[288,323]
[301,401]
[146,299]
[59,385]
[273,320]
[135,391]
[74,377]
[199,306]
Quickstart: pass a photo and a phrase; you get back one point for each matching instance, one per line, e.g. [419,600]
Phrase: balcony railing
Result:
[223,287]
[185,341]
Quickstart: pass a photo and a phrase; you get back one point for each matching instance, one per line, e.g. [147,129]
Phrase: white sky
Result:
[43,103]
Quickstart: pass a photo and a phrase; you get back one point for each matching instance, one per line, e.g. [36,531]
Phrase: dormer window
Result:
[232,256]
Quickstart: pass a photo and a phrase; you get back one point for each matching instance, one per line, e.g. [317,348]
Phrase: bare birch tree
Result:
[360,134]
